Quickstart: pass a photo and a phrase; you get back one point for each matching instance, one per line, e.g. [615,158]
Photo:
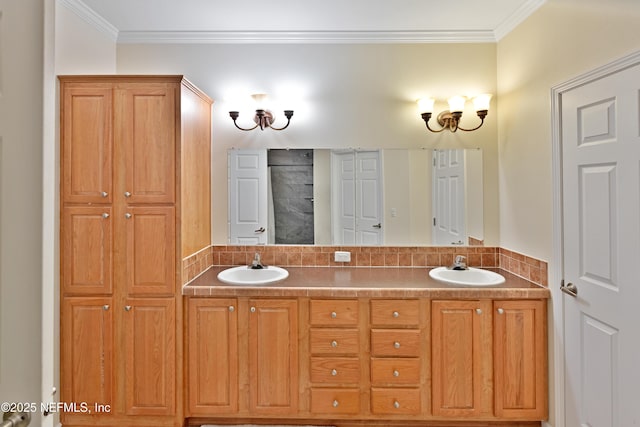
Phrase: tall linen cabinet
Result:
[135,201]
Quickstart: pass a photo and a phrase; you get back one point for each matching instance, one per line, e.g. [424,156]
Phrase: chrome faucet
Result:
[459,263]
[256,264]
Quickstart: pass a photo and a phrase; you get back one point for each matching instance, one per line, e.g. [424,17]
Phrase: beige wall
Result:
[80,48]
[561,40]
[343,96]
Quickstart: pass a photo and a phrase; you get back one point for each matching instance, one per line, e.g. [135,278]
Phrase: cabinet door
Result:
[150,356]
[462,358]
[145,120]
[86,353]
[85,250]
[213,356]
[87,143]
[273,356]
[520,359]
[151,250]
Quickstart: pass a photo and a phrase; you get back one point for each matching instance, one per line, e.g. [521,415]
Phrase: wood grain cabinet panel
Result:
[150,348]
[520,364]
[335,370]
[395,312]
[87,343]
[86,137]
[334,341]
[395,342]
[273,356]
[462,347]
[86,250]
[395,371]
[335,401]
[333,312]
[395,401]
[213,356]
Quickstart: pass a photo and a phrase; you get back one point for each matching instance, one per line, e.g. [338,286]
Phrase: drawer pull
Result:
[334,372]
[478,310]
[334,343]
[396,404]
[232,308]
[396,373]
[105,307]
[252,309]
[335,403]
[500,311]
[396,314]
[396,344]
[334,314]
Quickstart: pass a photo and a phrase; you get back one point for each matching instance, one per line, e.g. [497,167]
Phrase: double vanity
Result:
[365,346]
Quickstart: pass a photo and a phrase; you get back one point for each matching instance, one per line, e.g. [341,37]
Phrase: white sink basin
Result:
[247,276]
[470,277]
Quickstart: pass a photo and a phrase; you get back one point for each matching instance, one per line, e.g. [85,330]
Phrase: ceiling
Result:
[402,21]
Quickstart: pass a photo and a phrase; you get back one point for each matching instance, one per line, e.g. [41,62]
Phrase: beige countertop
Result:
[385,282]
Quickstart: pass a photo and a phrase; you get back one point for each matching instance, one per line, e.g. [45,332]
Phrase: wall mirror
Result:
[392,197]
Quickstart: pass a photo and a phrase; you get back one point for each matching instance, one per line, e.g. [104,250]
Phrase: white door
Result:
[343,186]
[448,197]
[21,135]
[368,198]
[248,214]
[601,237]
[356,198]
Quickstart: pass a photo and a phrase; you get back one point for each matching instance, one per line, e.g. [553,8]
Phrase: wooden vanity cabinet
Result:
[126,144]
[462,359]
[243,357]
[520,359]
[398,350]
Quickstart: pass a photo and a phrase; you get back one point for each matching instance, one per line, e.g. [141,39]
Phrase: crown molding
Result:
[517,18]
[90,17]
[271,37]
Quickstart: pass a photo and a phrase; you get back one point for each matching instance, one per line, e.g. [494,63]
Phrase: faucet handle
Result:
[460,258]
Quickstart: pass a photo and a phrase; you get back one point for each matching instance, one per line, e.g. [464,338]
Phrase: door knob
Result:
[569,289]
[378,225]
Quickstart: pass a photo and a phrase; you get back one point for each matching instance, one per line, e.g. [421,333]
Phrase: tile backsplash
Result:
[366,256]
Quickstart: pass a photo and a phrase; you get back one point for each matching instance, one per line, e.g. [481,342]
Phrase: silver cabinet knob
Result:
[253,309]
[396,314]
[127,194]
[500,311]
[334,343]
[127,308]
[105,215]
[334,314]
[232,308]
[396,373]
[334,372]
[104,194]
[105,307]
[128,215]
[396,404]
[478,310]
[396,344]
[335,403]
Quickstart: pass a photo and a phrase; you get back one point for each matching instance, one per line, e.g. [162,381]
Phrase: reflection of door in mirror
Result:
[356,213]
[457,187]
[247,218]
[271,197]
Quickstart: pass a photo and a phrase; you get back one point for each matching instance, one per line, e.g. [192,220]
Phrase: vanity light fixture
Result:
[450,119]
[263,118]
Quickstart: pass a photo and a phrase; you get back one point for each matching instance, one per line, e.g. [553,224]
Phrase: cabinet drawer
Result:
[395,342]
[334,341]
[329,312]
[391,312]
[395,371]
[335,400]
[403,401]
[343,370]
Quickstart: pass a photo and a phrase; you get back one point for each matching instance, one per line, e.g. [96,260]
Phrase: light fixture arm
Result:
[451,120]
[263,119]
